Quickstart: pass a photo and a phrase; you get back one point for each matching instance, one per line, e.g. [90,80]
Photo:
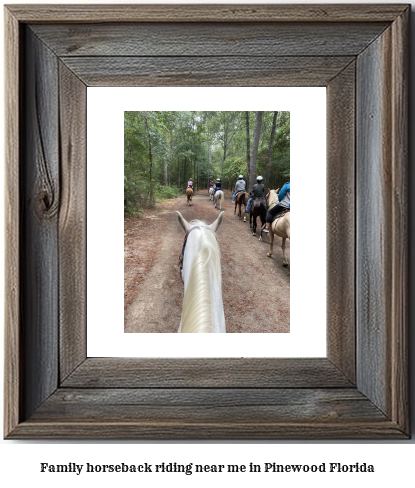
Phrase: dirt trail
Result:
[255,288]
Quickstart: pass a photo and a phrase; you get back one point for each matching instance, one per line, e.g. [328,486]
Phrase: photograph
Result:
[207,221]
[57,229]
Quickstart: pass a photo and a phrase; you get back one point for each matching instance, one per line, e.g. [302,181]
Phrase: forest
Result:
[163,150]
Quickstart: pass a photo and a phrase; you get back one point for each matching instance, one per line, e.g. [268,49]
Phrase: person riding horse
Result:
[239,186]
[218,185]
[283,204]
[190,183]
[257,192]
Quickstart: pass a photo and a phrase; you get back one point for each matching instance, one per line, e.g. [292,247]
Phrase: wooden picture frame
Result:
[360,53]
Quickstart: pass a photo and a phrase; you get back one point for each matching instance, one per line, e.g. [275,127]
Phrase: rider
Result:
[190,184]
[257,192]
[283,204]
[218,185]
[239,186]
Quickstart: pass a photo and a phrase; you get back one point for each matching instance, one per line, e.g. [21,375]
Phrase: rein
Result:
[184,246]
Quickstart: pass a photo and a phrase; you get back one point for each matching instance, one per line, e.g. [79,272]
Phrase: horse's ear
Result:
[186,226]
[216,223]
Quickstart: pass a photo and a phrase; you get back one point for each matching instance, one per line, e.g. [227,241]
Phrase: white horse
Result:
[202,278]
[219,196]
[211,192]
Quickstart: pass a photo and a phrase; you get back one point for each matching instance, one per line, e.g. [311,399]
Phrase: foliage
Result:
[165,192]
[162,150]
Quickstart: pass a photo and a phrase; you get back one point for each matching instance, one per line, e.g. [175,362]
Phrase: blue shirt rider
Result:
[283,204]
[218,185]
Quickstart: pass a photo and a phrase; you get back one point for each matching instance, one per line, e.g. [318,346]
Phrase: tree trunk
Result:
[171,152]
[194,174]
[248,150]
[271,147]
[255,144]
[208,163]
[151,203]
[165,171]
[198,186]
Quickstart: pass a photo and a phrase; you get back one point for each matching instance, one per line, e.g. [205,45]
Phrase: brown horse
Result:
[189,194]
[241,199]
[257,208]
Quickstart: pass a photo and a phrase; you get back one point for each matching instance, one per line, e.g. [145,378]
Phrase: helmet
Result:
[240,177]
[190,179]
[218,179]
[259,178]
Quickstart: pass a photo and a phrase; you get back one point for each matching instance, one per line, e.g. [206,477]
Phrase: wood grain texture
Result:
[400,233]
[382,222]
[206,71]
[206,373]
[206,13]
[382,248]
[40,204]
[341,237]
[13,384]
[209,405]
[72,222]
[201,39]
[188,430]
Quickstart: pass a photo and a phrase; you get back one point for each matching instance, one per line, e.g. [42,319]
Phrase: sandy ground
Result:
[255,288]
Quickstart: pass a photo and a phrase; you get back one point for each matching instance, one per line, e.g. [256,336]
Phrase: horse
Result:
[257,208]
[280,227]
[241,199]
[211,192]
[189,194]
[219,196]
[202,278]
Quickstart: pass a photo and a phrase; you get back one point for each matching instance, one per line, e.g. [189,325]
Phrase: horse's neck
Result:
[273,202]
[207,289]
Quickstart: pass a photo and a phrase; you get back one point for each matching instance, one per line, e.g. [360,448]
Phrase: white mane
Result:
[202,303]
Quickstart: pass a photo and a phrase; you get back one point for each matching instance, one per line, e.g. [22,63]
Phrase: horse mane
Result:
[198,312]
[275,192]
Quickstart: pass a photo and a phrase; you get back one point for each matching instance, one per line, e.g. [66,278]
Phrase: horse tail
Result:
[222,197]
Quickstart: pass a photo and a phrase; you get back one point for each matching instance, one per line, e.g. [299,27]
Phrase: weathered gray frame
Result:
[359,52]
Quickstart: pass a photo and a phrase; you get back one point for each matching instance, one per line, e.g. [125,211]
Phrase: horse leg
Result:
[254,226]
[284,259]
[271,241]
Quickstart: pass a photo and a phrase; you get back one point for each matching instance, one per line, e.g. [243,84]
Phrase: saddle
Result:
[279,215]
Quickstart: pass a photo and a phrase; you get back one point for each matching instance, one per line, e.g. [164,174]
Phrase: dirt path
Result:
[255,288]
